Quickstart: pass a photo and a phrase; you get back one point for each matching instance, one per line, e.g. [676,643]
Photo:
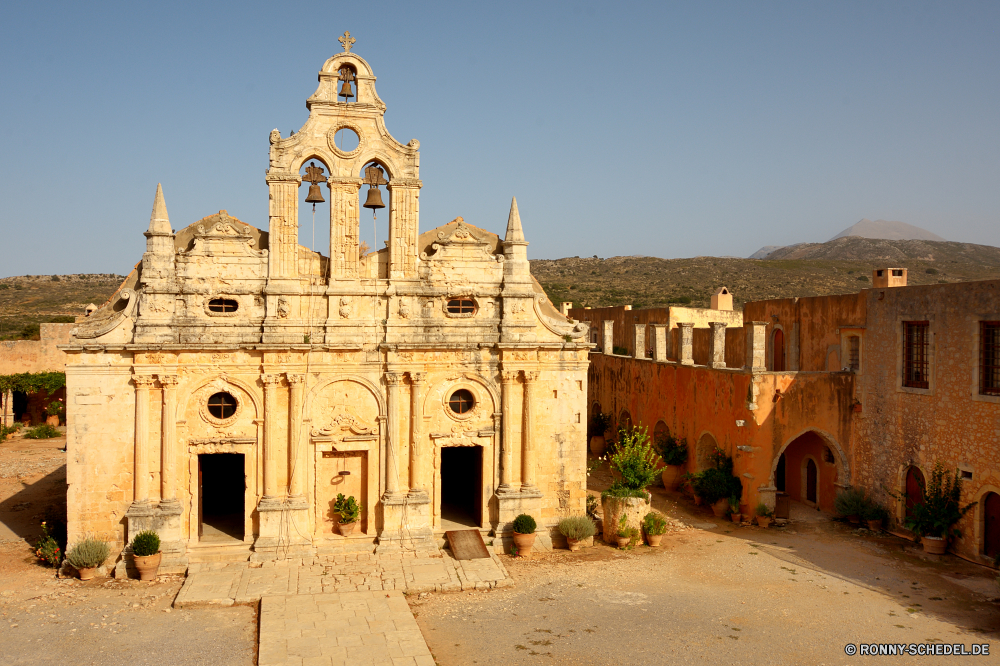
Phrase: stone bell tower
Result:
[345,100]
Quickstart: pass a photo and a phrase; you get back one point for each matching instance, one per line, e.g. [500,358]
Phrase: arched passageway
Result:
[808,471]
[914,489]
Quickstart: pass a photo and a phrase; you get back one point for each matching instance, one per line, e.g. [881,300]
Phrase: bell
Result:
[314,196]
[374,199]
[345,90]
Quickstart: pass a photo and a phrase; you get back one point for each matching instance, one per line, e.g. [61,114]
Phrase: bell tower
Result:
[344,102]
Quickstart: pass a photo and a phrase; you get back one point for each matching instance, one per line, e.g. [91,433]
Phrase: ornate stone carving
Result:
[404,308]
[143,381]
[345,307]
[284,307]
[393,378]
[341,421]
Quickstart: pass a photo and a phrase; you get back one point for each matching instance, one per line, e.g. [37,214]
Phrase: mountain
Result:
[887,229]
[764,251]
[885,253]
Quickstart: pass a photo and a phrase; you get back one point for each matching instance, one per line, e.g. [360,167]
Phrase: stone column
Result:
[418,445]
[7,418]
[756,339]
[403,227]
[140,482]
[168,440]
[660,342]
[392,382]
[344,227]
[640,341]
[283,225]
[527,433]
[717,344]
[608,337]
[270,438]
[687,343]
[508,379]
[296,461]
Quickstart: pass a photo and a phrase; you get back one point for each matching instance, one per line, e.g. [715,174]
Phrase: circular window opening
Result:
[223,305]
[461,401]
[346,139]
[222,405]
[461,306]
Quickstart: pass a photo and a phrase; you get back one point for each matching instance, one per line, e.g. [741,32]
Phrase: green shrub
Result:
[931,271]
[875,511]
[635,460]
[654,523]
[762,510]
[524,524]
[47,548]
[8,430]
[623,525]
[851,502]
[55,408]
[89,553]
[577,527]
[734,503]
[862,278]
[43,431]
[673,451]
[940,509]
[619,351]
[348,508]
[717,482]
[146,543]
[600,424]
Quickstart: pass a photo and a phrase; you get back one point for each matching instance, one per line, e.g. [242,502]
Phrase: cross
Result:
[346,41]
[373,176]
[314,174]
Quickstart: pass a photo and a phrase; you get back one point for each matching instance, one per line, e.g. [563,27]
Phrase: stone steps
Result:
[213,553]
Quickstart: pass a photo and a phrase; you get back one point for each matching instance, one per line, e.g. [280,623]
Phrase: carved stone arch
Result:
[299,158]
[704,446]
[456,381]
[901,473]
[359,64]
[843,467]
[381,158]
[256,400]
[358,379]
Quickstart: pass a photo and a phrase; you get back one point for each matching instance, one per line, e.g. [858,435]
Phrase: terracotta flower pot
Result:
[347,529]
[147,565]
[623,541]
[52,420]
[671,475]
[763,521]
[574,544]
[875,525]
[524,543]
[653,539]
[935,545]
[86,573]
[721,508]
[697,500]
[736,517]
[597,445]
[854,520]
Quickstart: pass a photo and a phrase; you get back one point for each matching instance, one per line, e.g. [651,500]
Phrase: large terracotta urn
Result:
[671,475]
[597,445]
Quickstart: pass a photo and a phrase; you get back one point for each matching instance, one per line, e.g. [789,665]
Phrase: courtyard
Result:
[714,592]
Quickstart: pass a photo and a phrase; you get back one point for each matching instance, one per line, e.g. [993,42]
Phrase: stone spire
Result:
[159,221]
[514,231]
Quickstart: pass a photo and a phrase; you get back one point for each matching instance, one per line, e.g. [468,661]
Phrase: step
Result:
[203,553]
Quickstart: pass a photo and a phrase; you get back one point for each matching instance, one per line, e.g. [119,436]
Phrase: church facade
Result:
[238,382]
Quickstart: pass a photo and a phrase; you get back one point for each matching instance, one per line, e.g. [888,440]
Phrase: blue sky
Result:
[665,129]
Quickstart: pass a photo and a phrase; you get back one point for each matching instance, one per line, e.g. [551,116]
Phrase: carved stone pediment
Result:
[460,244]
[342,422]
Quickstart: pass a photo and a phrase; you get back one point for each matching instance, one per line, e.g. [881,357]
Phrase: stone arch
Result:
[980,529]
[595,408]
[803,480]
[625,420]
[310,397]
[256,400]
[660,431]
[466,378]
[779,349]
[707,443]
[840,458]
[901,486]
[312,152]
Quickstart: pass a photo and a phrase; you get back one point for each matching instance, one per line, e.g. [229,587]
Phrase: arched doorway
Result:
[811,479]
[991,525]
[914,489]
[625,421]
[807,473]
[706,447]
[778,351]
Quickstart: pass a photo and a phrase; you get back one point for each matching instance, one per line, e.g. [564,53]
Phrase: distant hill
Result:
[764,251]
[896,252]
[29,300]
[889,230]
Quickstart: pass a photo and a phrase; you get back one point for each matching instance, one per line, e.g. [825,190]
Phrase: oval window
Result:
[223,305]
[221,405]
[461,306]
[461,401]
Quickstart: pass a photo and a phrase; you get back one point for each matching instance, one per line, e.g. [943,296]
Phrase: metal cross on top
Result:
[314,174]
[346,41]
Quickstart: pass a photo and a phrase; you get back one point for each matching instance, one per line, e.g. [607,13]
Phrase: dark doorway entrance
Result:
[20,405]
[991,531]
[914,489]
[221,490]
[779,474]
[810,480]
[461,486]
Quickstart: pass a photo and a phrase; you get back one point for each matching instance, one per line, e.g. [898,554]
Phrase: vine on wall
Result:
[32,382]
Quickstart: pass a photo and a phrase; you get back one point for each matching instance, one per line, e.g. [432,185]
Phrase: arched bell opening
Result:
[347,84]
[314,206]
[375,200]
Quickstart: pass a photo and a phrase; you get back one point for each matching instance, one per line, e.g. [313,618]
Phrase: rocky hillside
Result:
[29,300]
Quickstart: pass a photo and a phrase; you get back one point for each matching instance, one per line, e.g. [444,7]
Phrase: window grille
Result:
[916,344]
[989,357]
[222,405]
[854,353]
[461,306]
[461,401]
[223,305]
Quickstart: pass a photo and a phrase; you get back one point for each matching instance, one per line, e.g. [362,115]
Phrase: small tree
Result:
[636,462]
[940,507]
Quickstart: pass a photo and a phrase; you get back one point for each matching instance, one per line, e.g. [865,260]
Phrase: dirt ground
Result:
[720,594]
[45,620]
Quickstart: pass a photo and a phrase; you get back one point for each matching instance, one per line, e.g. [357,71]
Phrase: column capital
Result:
[270,381]
[295,378]
[418,377]
[168,381]
[685,324]
[143,381]
[530,376]
[509,376]
[715,325]
[394,378]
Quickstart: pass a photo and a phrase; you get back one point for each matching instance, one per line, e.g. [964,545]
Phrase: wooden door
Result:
[991,519]
[811,480]
[914,489]
[332,480]
[779,351]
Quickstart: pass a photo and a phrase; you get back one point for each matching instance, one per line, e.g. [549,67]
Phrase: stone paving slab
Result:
[366,628]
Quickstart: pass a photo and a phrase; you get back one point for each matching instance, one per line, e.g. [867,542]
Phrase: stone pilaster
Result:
[283,225]
[419,456]
[508,379]
[717,344]
[660,332]
[168,440]
[296,449]
[403,228]
[687,343]
[140,476]
[640,341]
[756,340]
[7,418]
[528,433]
[392,382]
[344,220]
[608,336]
[270,437]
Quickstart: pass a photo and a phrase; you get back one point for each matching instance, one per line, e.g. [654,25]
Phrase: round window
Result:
[461,401]
[221,405]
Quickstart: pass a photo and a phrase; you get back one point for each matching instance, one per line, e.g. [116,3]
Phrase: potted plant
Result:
[524,535]
[717,484]
[146,553]
[934,518]
[87,555]
[624,532]
[674,453]
[734,509]
[654,525]
[349,511]
[599,425]
[53,413]
[875,515]
[635,466]
[576,529]
[764,515]
[851,503]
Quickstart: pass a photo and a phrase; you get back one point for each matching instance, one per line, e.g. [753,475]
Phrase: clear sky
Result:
[665,129]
